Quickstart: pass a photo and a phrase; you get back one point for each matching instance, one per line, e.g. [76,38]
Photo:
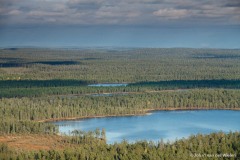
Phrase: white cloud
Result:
[97,12]
[14,12]
[44,14]
[171,13]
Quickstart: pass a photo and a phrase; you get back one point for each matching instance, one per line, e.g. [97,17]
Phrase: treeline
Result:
[51,107]
[41,83]
[217,146]
[36,88]
[13,110]
[120,65]
[189,84]
[26,127]
[83,137]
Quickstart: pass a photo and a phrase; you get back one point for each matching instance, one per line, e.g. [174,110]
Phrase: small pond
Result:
[108,85]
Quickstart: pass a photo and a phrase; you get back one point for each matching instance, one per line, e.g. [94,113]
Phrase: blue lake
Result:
[166,125]
[108,85]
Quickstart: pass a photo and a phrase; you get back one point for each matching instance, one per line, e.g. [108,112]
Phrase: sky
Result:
[120,23]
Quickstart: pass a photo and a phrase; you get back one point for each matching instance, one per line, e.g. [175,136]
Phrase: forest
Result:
[40,85]
[216,146]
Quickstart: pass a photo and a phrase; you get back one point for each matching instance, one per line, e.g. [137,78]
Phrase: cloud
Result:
[84,4]
[232,3]
[44,14]
[171,13]
[122,12]
[14,12]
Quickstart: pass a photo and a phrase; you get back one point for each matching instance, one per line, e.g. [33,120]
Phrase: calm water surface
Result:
[108,85]
[166,125]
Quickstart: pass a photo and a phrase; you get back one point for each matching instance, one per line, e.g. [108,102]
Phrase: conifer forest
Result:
[42,85]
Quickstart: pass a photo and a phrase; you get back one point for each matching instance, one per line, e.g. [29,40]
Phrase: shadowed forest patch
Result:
[23,64]
[57,62]
[220,56]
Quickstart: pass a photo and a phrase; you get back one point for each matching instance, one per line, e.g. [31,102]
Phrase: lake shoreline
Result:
[145,112]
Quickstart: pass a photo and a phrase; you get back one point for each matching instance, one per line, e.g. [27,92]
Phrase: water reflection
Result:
[166,125]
